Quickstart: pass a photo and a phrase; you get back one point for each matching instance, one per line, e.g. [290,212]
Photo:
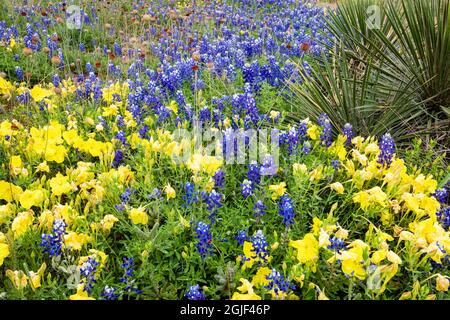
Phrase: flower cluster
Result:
[52,243]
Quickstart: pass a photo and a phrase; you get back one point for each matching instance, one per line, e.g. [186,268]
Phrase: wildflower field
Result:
[224,150]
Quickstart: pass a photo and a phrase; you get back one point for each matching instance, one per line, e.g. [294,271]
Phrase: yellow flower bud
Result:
[442,283]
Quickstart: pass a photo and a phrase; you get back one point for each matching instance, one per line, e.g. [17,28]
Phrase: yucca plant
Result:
[393,76]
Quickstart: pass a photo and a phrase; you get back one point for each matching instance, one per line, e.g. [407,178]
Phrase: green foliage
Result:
[393,77]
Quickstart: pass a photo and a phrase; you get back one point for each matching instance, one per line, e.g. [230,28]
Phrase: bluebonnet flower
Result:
[268,167]
[109,293]
[306,149]
[52,242]
[253,173]
[204,237]
[82,47]
[117,49]
[290,139]
[387,147]
[241,237]
[213,203]
[337,244]
[121,136]
[118,157]
[348,132]
[219,178]
[444,217]
[247,189]
[278,283]
[259,209]
[326,136]
[336,164]
[205,114]
[156,194]
[19,73]
[322,119]
[127,278]
[125,196]
[286,210]
[260,246]
[56,80]
[87,271]
[441,195]
[89,68]
[189,196]
[195,293]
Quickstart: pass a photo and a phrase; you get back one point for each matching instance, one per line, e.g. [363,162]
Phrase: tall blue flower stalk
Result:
[52,242]
[128,276]
[260,246]
[204,240]
[87,271]
[286,210]
[387,150]
[278,283]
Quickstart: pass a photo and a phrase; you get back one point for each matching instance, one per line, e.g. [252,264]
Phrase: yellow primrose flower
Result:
[112,110]
[378,256]
[430,205]
[35,277]
[170,192]
[46,219]
[22,223]
[15,165]
[75,241]
[43,167]
[246,290]
[4,252]
[372,148]
[108,222]
[138,216]
[358,142]
[5,87]
[324,238]
[361,158]
[307,250]
[274,114]
[352,260]
[18,278]
[341,233]
[322,295]
[9,191]
[313,132]
[81,294]
[259,279]
[317,224]
[338,147]
[316,174]
[422,184]
[338,187]
[173,106]
[277,190]
[374,196]
[38,93]
[442,283]
[299,168]
[30,198]
[60,185]
[65,212]
[393,257]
